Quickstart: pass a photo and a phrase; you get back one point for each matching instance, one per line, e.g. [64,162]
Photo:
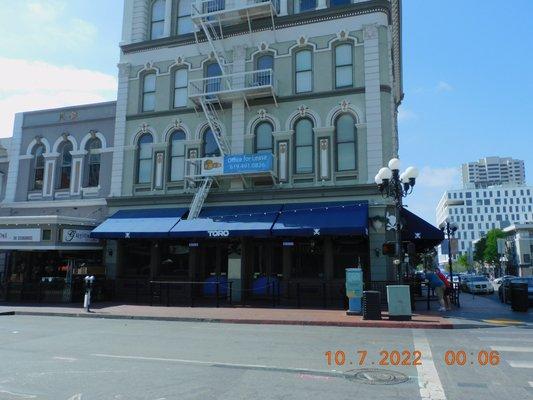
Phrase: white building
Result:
[520,249]
[476,211]
[491,171]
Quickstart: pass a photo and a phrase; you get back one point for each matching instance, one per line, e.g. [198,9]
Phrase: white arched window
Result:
[303,146]
[65,165]
[184,23]
[157,23]
[38,167]
[263,137]
[177,156]
[346,142]
[93,147]
[144,158]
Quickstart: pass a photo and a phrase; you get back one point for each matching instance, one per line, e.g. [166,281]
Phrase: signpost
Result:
[354,290]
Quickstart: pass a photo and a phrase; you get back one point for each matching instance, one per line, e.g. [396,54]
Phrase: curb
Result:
[365,324]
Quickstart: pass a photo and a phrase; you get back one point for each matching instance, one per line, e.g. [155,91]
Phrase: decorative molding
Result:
[91,135]
[38,140]
[302,112]
[65,136]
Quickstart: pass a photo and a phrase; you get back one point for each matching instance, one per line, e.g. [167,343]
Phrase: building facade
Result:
[476,211]
[519,249]
[55,189]
[490,171]
[312,87]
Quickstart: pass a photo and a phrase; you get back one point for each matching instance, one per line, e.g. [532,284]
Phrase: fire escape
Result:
[211,93]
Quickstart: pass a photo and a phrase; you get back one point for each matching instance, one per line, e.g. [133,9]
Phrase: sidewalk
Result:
[237,315]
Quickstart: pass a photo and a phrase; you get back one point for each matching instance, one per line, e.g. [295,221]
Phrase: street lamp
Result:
[394,185]
[449,229]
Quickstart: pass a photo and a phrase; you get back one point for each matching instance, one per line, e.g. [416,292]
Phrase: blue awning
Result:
[146,223]
[315,219]
[229,221]
[420,232]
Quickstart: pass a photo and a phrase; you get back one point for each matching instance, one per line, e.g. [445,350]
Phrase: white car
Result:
[479,284]
[498,281]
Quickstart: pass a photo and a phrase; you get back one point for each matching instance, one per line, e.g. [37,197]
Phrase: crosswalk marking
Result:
[503,339]
[519,349]
[520,364]
[429,383]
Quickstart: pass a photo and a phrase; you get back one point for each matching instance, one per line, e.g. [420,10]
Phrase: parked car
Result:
[464,279]
[504,289]
[498,281]
[479,284]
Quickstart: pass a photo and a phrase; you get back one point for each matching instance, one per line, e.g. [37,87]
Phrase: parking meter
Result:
[89,281]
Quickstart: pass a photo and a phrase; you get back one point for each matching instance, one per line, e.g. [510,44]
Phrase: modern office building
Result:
[248,135]
[490,171]
[476,211]
[55,190]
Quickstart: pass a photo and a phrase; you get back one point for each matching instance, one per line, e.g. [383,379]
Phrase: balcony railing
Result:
[252,84]
[224,10]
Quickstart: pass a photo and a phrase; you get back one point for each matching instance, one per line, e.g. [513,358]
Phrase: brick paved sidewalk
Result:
[246,315]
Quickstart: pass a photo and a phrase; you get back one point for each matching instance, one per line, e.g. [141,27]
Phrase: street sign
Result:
[455,246]
[501,246]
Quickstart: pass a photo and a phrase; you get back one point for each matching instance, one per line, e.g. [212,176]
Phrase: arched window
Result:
[304,5]
[184,22]
[210,147]
[343,66]
[213,82]
[177,156]
[263,137]
[148,97]
[180,88]
[38,167]
[304,146]
[304,71]
[93,147]
[264,62]
[158,19]
[346,142]
[144,158]
[65,166]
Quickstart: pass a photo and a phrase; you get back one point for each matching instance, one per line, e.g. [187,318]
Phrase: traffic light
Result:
[389,249]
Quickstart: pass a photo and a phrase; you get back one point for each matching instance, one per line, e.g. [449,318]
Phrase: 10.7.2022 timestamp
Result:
[394,357]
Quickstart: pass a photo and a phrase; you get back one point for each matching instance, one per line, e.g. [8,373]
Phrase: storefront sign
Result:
[248,163]
[212,166]
[78,236]
[20,235]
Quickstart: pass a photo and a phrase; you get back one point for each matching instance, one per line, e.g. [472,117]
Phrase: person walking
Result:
[437,285]
[447,289]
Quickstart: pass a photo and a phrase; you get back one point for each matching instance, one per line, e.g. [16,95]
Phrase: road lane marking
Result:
[520,364]
[336,373]
[69,359]
[531,384]
[21,395]
[513,348]
[429,382]
[503,339]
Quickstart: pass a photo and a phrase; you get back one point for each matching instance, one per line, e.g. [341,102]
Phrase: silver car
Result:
[479,284]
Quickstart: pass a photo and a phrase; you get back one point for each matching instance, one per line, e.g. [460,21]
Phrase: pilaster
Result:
[14,152]
[139,25]
[168,18]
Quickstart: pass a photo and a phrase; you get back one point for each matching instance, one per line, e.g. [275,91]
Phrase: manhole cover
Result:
[376,376]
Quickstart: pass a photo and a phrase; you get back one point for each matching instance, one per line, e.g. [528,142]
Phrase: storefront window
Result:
[348,253]
[174,259]
[308,259]
[136,260]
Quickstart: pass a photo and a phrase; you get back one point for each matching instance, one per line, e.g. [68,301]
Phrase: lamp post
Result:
[449,230]
[394,185]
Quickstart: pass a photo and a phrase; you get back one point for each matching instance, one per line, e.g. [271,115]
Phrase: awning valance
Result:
[315,219]
[145,223]
[420,232]
[229,221]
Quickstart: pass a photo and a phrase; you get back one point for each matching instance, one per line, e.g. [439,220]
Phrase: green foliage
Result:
[479,250]
[490,254]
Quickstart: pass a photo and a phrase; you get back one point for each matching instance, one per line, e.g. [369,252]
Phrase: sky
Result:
[467,77]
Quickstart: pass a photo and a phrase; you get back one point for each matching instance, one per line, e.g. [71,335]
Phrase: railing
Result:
[210,7]
[168,292]
[249,81]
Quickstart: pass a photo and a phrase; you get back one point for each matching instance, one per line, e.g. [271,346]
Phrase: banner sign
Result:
[212,166]
[444,246]
[78,236]
[248,163]
[354,282]
[20,235]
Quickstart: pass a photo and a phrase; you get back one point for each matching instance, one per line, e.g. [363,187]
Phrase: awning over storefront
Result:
[421,233]
[146,223]
[229,221]
[315,219]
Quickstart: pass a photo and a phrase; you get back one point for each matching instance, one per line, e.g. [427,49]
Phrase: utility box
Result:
[354,290]
[399,301]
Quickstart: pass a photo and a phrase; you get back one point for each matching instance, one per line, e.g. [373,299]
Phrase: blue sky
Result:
[467,68]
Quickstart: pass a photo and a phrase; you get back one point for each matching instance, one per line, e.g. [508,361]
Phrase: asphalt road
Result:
[75,358]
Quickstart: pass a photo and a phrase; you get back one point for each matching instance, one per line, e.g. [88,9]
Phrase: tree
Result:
[461,265]
[479,250]
[490,254]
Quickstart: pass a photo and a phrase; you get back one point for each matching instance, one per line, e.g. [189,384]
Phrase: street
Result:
[77,358]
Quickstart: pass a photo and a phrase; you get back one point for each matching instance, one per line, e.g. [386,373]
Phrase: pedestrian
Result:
[438,286]
[447,289]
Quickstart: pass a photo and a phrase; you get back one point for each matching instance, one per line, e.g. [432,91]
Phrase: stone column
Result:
[76,176]
[237,110]
[140,13]
[372,101]
[283,9]
[50,162]
[120,130]
[14,152]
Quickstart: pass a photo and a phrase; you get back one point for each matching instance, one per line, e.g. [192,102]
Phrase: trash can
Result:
[519,298]
[371,305]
